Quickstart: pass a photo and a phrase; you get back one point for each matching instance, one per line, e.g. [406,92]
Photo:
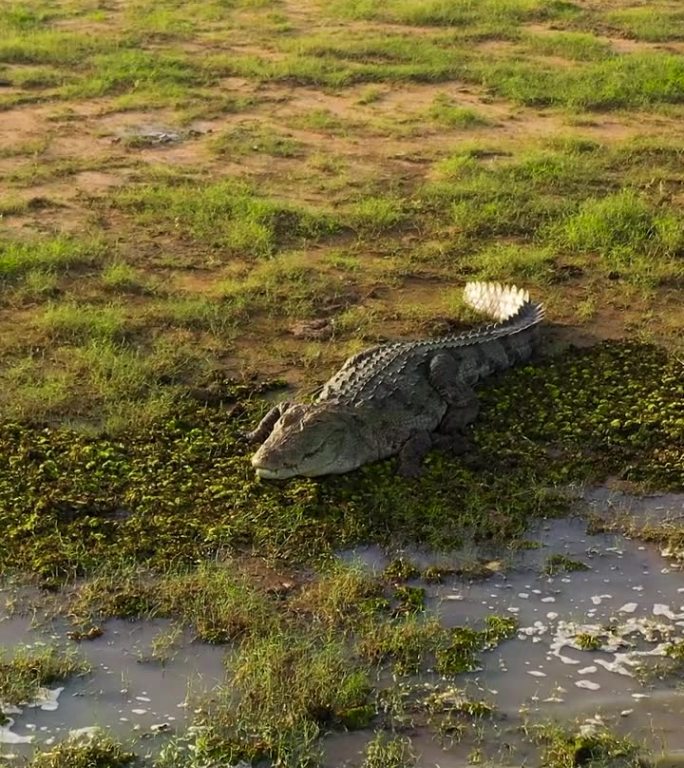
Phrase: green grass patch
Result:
[197,312]
[24,17]
[82,322]
[337,60]
[546,199]
[576,46]
[375,214]
[24,671]
[325,121]
[445,112]
[628,81]
[38,77]
[255,138]
[411,642]
[632,237]
[562,563]
[121,277]
[515,262]
[32,389]
[457,13]
[565,748]
[287,285]
[53,47]
[37,285]
[226,215]
[648,23]
[58,254]
[220,605]
[342,597]
[158,77]
[286,689]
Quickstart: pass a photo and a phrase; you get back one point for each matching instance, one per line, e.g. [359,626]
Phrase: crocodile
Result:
[399,398]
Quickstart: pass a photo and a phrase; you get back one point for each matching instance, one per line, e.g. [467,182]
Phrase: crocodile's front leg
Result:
[265,426]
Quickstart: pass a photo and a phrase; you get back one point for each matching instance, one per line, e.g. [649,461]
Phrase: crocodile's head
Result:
[310,440]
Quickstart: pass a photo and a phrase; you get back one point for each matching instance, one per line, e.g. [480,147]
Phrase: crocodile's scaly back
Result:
[400,397]
[362,375]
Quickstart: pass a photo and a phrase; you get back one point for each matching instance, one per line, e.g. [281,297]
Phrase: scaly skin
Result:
[399,398]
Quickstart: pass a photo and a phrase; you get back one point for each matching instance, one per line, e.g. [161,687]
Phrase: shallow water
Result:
[541,675]
[538,675]
[124,692]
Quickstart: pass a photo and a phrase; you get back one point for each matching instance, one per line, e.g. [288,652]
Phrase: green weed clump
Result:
[564,748]
[219,605]
[561,563]
[285,689]
[24,671]
[389,751]
[249,138]
[98,751]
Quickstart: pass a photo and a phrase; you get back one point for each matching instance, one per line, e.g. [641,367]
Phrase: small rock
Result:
[321,328]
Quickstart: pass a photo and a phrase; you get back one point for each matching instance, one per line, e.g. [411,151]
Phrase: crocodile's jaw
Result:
[273,474]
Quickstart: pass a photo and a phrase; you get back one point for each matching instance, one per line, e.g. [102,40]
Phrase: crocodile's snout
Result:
[268,473]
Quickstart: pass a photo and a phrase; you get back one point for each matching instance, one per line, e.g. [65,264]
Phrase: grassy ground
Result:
[204,201]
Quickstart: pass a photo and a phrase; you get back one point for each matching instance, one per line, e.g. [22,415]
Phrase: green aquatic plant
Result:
[96,751]
[182,490]
[559,563]
[26,669]
[567,748]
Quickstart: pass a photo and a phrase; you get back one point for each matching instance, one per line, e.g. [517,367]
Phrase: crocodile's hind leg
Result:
[412,454]
[462,402]
[265,426]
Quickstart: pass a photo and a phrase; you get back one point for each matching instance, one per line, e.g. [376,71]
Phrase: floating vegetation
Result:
[559,563]
[26,670]
[183,490]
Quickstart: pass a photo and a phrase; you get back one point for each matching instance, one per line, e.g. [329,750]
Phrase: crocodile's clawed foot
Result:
[456,444]
[409,469]
[412,454]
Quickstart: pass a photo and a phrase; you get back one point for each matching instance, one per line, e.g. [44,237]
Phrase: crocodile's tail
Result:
[509,305]
[512,338]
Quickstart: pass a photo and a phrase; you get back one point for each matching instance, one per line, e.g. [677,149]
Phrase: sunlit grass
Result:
[227,215]
[58,254]
[649,23]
